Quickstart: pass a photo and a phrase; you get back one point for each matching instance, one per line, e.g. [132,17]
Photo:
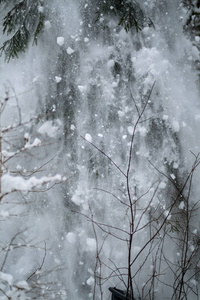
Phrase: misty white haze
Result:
[100,141]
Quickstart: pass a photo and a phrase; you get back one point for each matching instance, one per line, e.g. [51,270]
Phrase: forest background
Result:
[99,149]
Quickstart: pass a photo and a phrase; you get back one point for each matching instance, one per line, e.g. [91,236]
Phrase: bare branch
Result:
[108,157]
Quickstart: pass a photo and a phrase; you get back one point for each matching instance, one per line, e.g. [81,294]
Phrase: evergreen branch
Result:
[31,16]
[14,17]
[18,43]
[24,21]
[39,28]
[130,14]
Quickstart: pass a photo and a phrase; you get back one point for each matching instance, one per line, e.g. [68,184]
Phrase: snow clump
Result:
[88,137]
[17,183]
[47,25]
[71,237]
[60,40]
[49,128]
[7,278]
[58,79]
[70,50]
[91,244]
[90,281]
[82,88]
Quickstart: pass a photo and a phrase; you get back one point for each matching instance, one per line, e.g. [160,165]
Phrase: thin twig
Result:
[41,265]
[108,157]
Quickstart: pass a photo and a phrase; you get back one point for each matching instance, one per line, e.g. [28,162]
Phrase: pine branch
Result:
[130,14]
[24,21]
[39,28]
[14,17]
[18,43]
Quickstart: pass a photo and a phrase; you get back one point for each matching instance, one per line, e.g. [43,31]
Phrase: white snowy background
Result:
[77,85]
